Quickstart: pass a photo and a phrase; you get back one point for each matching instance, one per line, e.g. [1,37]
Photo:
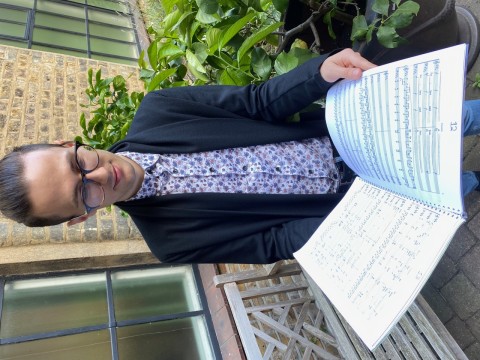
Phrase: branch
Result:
[298,29]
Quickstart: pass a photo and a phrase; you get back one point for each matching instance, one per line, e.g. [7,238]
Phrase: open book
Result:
[400,129]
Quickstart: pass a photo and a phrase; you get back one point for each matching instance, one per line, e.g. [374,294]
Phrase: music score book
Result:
[400,129]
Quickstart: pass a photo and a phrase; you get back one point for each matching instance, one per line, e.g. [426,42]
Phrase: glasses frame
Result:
[85,181]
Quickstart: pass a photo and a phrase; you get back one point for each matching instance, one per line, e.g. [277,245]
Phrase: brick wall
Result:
[40,97]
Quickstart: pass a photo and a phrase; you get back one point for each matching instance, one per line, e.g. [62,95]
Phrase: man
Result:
[208,174]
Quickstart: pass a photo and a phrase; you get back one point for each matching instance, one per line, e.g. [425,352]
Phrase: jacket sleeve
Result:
[277,243]
[273,100]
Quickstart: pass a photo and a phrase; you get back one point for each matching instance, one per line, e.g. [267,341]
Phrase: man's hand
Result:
[346,64]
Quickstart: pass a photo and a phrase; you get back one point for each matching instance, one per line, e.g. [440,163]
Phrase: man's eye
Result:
[81,162]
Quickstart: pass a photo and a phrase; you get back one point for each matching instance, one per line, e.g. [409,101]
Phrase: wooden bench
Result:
[280,315]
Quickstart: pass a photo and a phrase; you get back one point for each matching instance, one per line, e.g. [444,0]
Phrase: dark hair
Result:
[14,200]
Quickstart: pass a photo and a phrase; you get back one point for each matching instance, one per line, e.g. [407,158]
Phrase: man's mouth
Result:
[117,176]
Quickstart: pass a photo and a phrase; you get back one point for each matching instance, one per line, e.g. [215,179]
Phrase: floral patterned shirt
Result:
[294,167]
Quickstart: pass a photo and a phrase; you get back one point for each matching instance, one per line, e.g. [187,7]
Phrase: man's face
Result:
[54,181]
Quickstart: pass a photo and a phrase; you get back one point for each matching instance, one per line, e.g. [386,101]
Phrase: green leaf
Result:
[233,76]
[200,50]
[359,28]
[195,67]
[146,74]
[181,72]
[83,121]
[98,76]
[369,35]
[381,7]
[388,37]
[261,63]
[288,61]
[125,128]
[171,20]
[403,15]
[152,52]
[168,5]
[205,18]
[235,29]
[192,61]
[168,50]
[212,38]
[158,78]
[280,5]
[327,20]
[141,60]
[255,38]
[118,82]
[208,6]
[90,75]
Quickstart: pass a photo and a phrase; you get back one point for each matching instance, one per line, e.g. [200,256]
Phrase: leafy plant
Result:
[112,108]
[228,42]
[476,83]
[386,22]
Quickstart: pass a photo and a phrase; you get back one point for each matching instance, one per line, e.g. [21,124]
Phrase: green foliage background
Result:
[228,42]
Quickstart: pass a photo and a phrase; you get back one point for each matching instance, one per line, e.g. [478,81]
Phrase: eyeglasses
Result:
[87,160]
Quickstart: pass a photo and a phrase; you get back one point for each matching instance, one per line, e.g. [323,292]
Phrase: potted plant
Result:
[382,30]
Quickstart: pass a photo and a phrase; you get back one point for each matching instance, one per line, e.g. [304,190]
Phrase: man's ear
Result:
[81,218]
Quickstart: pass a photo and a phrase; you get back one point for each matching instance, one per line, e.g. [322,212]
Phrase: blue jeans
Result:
[471,126]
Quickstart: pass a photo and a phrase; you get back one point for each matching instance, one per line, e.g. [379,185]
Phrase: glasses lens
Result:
[92,194]
[87,157]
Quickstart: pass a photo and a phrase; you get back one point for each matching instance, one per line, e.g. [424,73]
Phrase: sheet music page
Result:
[400,127]
[373,254]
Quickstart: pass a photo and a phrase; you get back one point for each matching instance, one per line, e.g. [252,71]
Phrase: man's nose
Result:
[100,175]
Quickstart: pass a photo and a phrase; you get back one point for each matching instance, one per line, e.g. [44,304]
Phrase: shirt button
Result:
[211,169]
[310,171]
[244,167]
[175,171]
[277,168]
[335,176]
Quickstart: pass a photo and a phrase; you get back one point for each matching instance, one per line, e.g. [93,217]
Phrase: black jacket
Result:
[222,228]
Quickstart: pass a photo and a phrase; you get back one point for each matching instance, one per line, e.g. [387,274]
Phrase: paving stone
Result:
[461,243]
[471,266]
[473,351]
[437,302]
[462,295]
[474,325]
[474,225]
[443,272]
[460,332]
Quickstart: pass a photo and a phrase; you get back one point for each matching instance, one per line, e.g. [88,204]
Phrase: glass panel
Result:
[8,29]
[59,22]
[109,18]
[60,51]
[115,60]
[113,48]
[42,305]
[91,345]
[110,5]
[143,293]
[111,32]
[59,38]
[174,339]
[19,44]
[13,15]
[22,3]
[61,9]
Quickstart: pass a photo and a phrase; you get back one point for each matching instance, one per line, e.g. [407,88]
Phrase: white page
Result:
[399,126]
[372,255]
